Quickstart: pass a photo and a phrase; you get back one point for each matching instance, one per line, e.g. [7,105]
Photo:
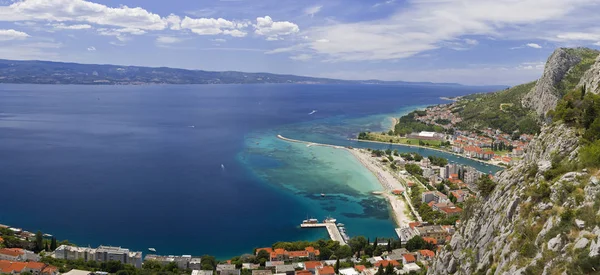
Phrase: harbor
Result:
[337,232]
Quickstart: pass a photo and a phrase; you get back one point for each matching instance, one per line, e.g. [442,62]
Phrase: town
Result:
[441,132]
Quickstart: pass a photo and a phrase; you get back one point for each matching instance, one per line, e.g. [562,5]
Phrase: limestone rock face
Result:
[544,95]
[591,78]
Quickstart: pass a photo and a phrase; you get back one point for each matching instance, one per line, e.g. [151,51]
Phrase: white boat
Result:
[322,194]
[310,221]
[313,111]
[222,166]
[152,249]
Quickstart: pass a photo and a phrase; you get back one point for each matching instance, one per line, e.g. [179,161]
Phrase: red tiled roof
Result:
[326,270]
[451,210]
[50,269]
[386,263]
[36,265]
[409,258]
[303,272]
[12,251]
[430,240]
[298,254]
[312,264]
[360,268]
[427,253]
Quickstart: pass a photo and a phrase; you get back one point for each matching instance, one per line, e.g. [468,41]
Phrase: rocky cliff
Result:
[543,217]
[545,94]
[591,78]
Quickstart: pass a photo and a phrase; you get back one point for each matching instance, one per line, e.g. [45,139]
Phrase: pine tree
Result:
[380,271]
[389,269]
[337,266]
[53,245]
[389,245]
[39,241]
[374,245]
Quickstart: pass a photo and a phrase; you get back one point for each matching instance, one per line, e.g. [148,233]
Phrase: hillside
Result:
[543,217]
[45,72]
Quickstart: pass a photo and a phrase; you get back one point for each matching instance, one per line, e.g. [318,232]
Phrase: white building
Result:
[100,254]
[348,271]
[411,267]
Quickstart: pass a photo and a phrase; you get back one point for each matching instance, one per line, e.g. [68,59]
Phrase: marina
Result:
[337,232]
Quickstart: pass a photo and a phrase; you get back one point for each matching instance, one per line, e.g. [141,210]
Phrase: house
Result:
[77,272]
[312,266]
[222,267]
[303,272]
[183,262]
[250,266]
[435,196]
[425,255]
[385,263]
[326,270]
[100,254]
[435,232]
[230,272]
[348,271]
[450,211]
[202,272]
[360,268]
[36,268]
[12,254]
[262,272]
[412,267]
[273,263]
[433,240]
[408,259]
[460,195]
[309,253]
[287,269]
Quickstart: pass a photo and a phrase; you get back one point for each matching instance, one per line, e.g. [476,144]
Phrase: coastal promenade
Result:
[332,229]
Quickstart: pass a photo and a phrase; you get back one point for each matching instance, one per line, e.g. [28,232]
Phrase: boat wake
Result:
[313,111]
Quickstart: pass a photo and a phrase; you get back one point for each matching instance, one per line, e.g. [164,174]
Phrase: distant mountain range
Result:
[46,72]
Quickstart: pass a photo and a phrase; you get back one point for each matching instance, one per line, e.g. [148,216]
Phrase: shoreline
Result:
[429,148]
[387,181]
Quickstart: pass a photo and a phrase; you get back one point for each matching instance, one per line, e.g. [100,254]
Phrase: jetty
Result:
[332,229]
[309,144]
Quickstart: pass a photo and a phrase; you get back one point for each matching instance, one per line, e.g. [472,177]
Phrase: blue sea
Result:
[197,169]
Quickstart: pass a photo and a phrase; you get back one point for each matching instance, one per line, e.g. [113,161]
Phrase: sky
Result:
[504,42]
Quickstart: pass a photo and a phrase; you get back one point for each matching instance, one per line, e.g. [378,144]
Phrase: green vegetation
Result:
[500,110]
[417,243]
[485,185]
[114,267]
[438,161]
[408,124]
[581,109]
[387,138]
[413,169]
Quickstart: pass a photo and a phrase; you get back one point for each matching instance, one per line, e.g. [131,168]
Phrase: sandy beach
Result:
[389,183]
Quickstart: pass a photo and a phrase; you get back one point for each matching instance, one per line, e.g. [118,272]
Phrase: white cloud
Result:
[62,26]
[11,34]
[533,45]
[120,34]
[114,43]
[219,40]
[168,40]
[91,49]
[580,36]
[597,43]
[82,11]
[212,26]
[301,57]
[384,3]
[472,42]
[273,29]
[425,25]
[313,10]
[174,22]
